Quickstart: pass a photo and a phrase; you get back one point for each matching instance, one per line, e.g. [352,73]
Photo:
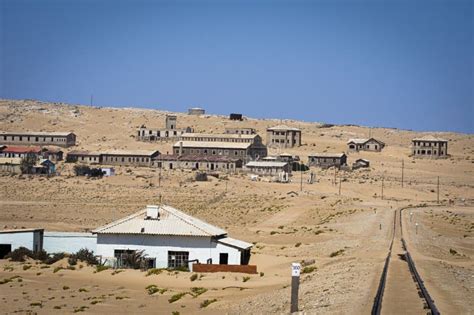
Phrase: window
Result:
[177,259]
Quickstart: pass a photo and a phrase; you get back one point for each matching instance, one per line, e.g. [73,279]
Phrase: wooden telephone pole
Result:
[403,169]
[438,191]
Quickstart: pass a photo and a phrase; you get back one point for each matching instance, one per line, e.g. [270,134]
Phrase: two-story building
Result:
[170,132]
[61,139]
[326,160]
[429,146]
[283,136]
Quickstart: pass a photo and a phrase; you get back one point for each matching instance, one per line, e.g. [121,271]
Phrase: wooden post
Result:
[295,284]
[335,180]
[340,181]
[438,191]
[382,188]
[403,168]
[301,183]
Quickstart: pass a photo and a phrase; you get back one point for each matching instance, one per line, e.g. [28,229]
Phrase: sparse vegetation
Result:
[193,277]
[80,309]
[298,244]
[100,268]
[197,291]
[176,297]
[336,253]
[245,279]
[206,303]
[308,269]
[152,289]
[154,271]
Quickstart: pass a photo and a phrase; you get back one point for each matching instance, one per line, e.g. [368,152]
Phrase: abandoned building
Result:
[10,165]
[196,111]
[129,158]
[198,162]
[170,131]
[326,160]
[240,131]
[85,157]
[235,116]
[61,139]
[222,137]
[20,151]
[365,145]
[52,154]
[360,163]
[284,136]
[429,146]
[44,167]
[10,240]
[239,150]
[170,239]
[268,168]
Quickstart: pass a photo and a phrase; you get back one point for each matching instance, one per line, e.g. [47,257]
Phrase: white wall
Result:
[157,246]
[68,242]
[18,239]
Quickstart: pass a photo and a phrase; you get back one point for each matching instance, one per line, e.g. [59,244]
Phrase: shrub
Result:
[245,279]
[100,268]
[55,258]
[19,254]
[36,304]
[309,269]
[298,244]
[56,269]
[83,290]
[154,271]
[26,267]
[206,303]
[80,309]
[197,291]
[176,297]
[193,277]
[336,253]
[65,287]
[86,256]
[72,260]
[261,274]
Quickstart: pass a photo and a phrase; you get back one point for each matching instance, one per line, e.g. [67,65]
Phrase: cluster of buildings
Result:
[169,238]
[235,148]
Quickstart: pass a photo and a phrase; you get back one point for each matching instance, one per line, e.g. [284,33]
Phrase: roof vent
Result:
[152,212]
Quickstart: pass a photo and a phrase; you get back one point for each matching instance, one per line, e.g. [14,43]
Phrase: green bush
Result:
[193,277]
[100,268]
[309,269]
[197,291]
[176,297]
[86,256]
[336,253]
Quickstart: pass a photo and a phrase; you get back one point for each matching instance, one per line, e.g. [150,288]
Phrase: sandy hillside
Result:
[347,235]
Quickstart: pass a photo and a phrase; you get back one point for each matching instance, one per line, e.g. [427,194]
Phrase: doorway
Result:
[223,259]
[4,250]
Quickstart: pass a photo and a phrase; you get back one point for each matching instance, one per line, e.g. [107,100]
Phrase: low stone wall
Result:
[252,269]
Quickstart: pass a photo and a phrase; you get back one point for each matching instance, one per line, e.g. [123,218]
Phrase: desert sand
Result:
[285,223]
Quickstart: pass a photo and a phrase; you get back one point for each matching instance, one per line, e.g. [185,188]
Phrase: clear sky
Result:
[393,63]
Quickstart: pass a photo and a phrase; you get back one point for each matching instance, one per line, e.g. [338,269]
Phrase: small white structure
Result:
[13,239]
[170,239]
[108,171]
[68,242]
[196,111]
[268,168]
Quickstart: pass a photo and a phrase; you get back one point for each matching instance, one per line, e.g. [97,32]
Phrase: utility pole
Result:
[301,183]
[382,188]
[438,191]
[92,99]
[159,174]
[403,168]
[340,181]
[335,180]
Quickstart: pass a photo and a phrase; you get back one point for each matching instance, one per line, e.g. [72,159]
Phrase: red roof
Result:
[20,149]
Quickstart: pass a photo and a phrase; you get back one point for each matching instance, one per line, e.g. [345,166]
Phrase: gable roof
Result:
[36,133]
[21,149]
[213,144]
[219,135]
[170,222]
[266,164]
[363,141]
[327,155]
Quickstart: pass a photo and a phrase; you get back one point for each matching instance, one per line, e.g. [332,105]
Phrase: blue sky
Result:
[397,63]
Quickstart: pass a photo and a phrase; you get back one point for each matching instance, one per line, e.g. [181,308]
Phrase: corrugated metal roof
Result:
[20,231]
[83,153]
[213,144]
[35,133]
[283,127]
[171,222]
[219,135]
[235,243]
[430,138]
[196,158]
[21,149]
[131,153]
[358,141]
[327,155]
[266,164]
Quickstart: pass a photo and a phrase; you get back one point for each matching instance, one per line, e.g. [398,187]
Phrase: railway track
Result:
[401,288]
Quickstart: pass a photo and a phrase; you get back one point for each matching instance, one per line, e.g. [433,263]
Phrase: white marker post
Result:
[411,216]
[416,228]
[295,284]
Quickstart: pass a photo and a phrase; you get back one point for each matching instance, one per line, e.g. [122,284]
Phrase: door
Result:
[223,259]
[4,250]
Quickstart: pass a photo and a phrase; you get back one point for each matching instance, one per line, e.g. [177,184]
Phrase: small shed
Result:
[360,163]
[13,239]
[196,111]
[234,116]
[44,166]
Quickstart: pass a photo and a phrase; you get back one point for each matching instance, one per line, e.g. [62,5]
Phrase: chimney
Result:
[180,148]
[152,212]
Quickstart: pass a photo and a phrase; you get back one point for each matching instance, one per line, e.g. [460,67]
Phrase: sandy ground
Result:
[286,224]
